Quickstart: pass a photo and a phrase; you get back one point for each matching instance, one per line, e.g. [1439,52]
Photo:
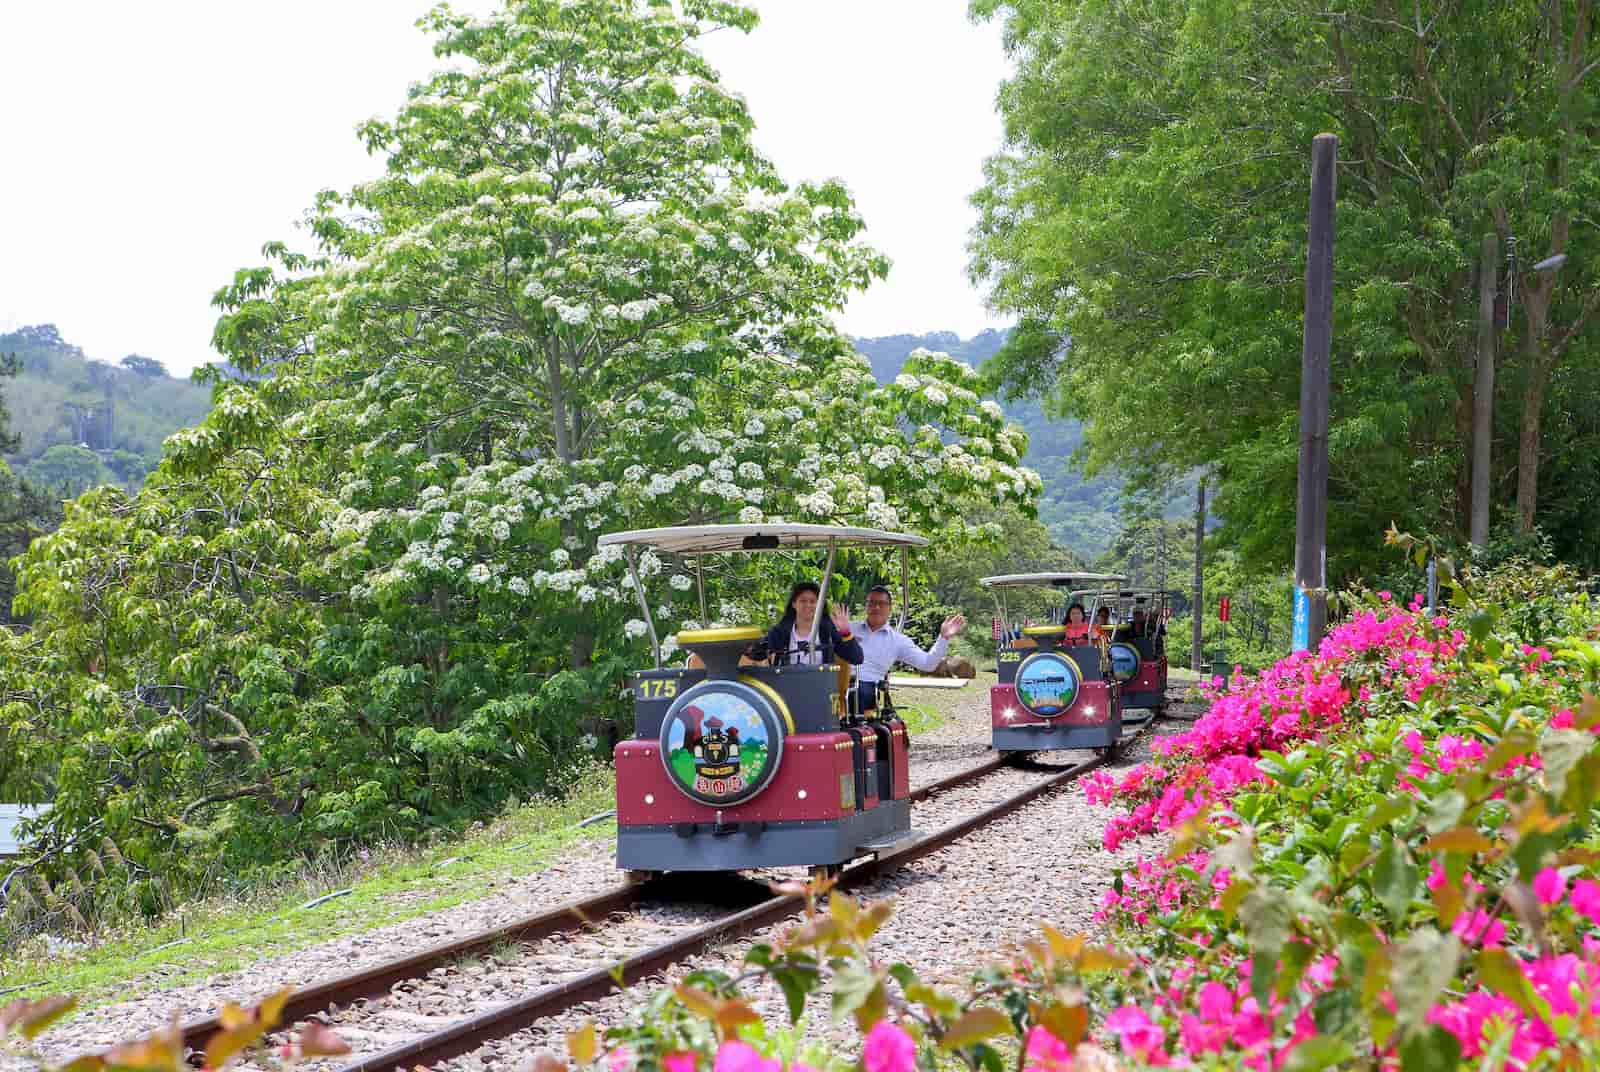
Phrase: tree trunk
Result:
[582,647]
[1483,393]
[1197,636]
[1536,306]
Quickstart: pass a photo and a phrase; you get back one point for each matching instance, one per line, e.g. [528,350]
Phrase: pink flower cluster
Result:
[1156,884]
[1569,984]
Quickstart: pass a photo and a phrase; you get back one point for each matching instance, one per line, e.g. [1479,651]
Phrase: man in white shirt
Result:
[883,645]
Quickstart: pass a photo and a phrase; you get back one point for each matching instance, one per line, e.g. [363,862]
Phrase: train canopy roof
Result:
[711,539]
[1133,593]
[1052,580]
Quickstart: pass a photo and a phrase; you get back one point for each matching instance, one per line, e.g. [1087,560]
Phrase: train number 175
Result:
[658,688]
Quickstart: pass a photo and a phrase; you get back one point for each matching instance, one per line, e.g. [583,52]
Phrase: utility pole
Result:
[1311,508]
[1483,392]
[1197,606]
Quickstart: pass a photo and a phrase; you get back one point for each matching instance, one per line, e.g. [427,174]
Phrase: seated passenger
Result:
[1077,622]
[1102,622]
[790,640]
[1139,622]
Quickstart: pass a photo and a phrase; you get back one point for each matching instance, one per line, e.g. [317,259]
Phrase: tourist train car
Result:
[1056,688]
[736,765]
[1138,648]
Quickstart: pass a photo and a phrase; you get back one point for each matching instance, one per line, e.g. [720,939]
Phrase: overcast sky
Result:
[150,149]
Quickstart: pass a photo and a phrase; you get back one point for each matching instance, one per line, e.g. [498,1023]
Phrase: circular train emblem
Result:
[721,742]
[1124,662]
[1047,683]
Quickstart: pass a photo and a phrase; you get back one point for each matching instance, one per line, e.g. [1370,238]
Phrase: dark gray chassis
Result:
[802,843]
[1042,736]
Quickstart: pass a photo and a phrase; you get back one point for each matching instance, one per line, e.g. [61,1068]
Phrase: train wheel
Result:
[635,878]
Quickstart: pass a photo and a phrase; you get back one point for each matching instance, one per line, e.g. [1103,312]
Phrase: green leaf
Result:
[1445,811]
[1500,972]
[1424,965]
[1561,750]
[1265,916]
[1394,879]
[975,1026]
[858,992]
[1432,1049]
[1318,1052]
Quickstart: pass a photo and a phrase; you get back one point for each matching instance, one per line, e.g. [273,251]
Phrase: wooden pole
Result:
[1311,514]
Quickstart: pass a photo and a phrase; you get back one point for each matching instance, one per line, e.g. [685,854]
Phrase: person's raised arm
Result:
[845,645]
[927,660]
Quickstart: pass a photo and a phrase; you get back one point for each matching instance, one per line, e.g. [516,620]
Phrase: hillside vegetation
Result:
[1081,514]
[82,422]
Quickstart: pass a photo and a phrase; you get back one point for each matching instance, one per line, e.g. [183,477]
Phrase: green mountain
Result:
[1082,515]
[84,422]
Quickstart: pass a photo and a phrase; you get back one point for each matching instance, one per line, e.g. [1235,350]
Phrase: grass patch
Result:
[925,710]
[391,885]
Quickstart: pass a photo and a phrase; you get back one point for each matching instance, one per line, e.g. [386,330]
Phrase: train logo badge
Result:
[1047,683]
[719,746]
[1124,661]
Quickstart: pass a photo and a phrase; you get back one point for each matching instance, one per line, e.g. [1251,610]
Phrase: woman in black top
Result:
[790,640]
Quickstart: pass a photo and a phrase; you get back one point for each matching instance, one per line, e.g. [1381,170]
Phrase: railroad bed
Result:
[954,911]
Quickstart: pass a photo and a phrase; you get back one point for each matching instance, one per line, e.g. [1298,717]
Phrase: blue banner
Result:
[1302,619]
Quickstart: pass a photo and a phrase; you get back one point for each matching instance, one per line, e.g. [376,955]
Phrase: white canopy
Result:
[1054,580]
[710,539]
[1131,593]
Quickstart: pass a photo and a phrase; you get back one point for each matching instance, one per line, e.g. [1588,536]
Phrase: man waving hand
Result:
[883,645]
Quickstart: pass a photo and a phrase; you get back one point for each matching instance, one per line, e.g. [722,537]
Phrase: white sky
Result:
[149,149]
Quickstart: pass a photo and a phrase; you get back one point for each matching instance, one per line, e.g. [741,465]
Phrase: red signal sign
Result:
[1222,609]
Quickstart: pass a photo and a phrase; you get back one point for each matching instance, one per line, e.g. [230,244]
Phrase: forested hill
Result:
[60,399]
[84,422]
[1080,514]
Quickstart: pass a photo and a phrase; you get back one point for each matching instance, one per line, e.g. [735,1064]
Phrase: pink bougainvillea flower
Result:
[620,1059]
[682,1061]
[888,1049]
[735,1056]
[1046,1053]
[1586,899]
[1216,1003]
[1549,886]
[1479,927]
[1139,1034]
[1198,1036]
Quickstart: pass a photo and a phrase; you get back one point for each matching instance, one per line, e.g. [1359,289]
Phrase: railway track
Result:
[469,1034]
[751,912]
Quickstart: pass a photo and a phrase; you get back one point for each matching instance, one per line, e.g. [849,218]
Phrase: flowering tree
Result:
[578,300]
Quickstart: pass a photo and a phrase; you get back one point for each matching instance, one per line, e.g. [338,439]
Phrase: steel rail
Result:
[572,916]
[469,1034]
